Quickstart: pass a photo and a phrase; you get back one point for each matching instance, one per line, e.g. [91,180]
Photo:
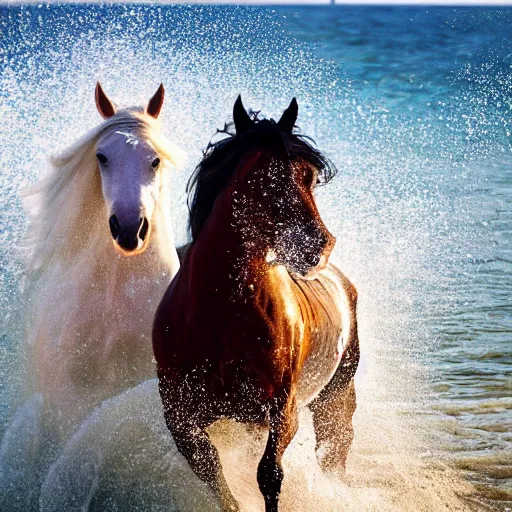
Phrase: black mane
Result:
[222,157]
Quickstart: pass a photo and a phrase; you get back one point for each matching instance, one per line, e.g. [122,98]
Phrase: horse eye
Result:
[101,158]
[155,163]
[311,178]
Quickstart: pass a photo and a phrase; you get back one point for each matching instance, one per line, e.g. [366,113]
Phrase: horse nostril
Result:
[115,228]
[143,228]
[325,240]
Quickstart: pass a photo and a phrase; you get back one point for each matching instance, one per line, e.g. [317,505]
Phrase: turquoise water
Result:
[413,105]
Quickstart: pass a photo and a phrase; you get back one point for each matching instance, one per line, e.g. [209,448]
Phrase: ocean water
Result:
[414,106]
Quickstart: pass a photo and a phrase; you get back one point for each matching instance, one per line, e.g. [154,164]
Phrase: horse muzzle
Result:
[315,257]
[130,238]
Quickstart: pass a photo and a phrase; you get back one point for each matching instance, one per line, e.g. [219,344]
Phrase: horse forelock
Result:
[72,186]
[223,158]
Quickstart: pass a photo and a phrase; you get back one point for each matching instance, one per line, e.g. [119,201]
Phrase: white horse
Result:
[101,254]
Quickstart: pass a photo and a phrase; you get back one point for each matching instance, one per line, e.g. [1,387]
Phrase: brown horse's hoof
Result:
[272,508]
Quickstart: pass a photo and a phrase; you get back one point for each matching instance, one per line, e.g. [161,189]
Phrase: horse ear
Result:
[103,104]
[156,102]
[287,121]
[240,117]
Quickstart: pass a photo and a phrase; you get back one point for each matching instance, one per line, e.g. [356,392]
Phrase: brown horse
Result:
[256,323]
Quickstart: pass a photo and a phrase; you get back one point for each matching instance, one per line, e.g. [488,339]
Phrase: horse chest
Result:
[319,366]
[100,332]
[321,309]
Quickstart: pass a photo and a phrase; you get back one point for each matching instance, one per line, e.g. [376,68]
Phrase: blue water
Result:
[414,106]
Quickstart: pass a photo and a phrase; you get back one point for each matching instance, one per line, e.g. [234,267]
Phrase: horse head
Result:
[277,190]
[129,168]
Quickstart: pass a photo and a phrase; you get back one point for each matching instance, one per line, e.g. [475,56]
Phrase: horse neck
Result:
[223,247]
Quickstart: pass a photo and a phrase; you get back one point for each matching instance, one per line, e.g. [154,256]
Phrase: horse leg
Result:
[283,424]
[334,407]
[194,444]
[332,420]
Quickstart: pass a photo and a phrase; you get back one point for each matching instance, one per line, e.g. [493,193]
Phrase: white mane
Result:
[63,206]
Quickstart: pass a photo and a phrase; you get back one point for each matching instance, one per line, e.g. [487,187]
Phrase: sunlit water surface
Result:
[414,106]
